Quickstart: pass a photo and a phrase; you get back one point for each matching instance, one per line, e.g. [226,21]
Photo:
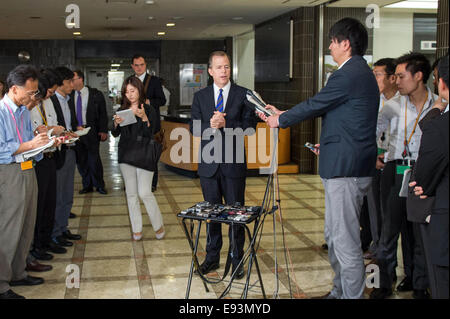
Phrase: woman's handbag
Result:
[144,152]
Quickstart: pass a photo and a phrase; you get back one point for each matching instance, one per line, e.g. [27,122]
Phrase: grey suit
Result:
[348,105]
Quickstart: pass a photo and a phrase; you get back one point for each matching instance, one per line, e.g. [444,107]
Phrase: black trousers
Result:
[89,166]
[394,222]
[232,190]
[45,217]
[364,222]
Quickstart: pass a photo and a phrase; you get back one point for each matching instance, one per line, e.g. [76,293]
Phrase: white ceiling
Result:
[129,19]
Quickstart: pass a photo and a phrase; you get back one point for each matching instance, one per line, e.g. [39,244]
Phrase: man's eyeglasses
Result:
[31,93]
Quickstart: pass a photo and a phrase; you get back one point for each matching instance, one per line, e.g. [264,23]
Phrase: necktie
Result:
[79,110]
[219,106]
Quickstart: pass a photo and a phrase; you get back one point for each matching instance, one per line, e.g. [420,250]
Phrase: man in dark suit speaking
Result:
[90,108]
[348,105]
[216,110]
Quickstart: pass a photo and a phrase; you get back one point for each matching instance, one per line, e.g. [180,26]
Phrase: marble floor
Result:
[111,265]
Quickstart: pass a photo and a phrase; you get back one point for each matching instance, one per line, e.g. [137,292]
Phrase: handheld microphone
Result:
[260,106]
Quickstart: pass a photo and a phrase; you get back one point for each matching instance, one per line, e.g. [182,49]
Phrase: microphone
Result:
[260,106]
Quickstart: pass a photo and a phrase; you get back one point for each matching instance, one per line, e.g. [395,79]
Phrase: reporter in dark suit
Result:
[90,108]
[153,92]
[348,105]
[432,175]
[220,107]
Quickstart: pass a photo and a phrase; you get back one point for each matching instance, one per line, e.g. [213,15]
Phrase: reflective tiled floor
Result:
[113,266]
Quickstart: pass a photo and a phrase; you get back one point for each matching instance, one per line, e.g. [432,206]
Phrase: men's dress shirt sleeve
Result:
[8,144]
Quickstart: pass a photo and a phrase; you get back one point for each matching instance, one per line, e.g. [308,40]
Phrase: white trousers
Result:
[138,182]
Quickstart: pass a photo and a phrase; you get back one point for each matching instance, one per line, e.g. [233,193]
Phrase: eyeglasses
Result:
[31,93]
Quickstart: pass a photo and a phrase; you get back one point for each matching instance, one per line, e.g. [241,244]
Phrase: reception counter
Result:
[183,149]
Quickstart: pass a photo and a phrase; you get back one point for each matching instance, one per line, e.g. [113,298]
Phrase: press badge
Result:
[402,168]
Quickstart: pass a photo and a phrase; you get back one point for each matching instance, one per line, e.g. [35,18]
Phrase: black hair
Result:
[389,65]
[79,73]
[43,85]
[137,56]
[65,73]
[435,64]
[443,69]
[20,74]
[4,89]
[52,77]
[416,62]
[352,30]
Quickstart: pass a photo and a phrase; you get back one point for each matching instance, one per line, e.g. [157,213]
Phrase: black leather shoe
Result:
[153,189]
[38,267]
[40,254]
[68,235]
[380,293]
[405,285]
[10,295]
[325,247]
[55,248]
[28,281]
[421,294]
[240,272]
[86,190]
[61,241]
[72,215]
[206,267]
[102,191]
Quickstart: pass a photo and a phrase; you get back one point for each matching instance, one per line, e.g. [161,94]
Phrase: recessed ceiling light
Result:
[422,4]
[77,33]
[170,24]
[151,18]
[115,65]
[161,33]
[149,2]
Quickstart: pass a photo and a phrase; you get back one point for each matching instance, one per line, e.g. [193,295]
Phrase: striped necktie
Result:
[219,106]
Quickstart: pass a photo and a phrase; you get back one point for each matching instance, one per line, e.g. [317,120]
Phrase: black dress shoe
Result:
[61,241]
[102,191]
[55,248]
[38,267]
[40,254]
[405,285]
[153,189]
[86,190]
[421,294]
[240,272]
[68,235]
[207,267]
[325,247]
[380,293]
[72,215]
[10,295]
[28,281]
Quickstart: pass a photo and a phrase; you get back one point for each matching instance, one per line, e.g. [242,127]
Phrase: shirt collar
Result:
[60,97]
[395,95]
[344,62]
[142,77]
[10,103]
[226,88]
[84,90]
[431,97]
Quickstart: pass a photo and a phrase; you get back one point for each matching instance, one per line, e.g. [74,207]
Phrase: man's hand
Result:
[57,130]
[272,121]
[41,129]
[380,162]
[418,190]
[218,120]
[274,109]
[103,136]
[39,140]
[316,149]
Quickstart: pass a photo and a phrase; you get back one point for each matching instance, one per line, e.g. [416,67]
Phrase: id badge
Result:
[402,168]
[381,151]
[26,165]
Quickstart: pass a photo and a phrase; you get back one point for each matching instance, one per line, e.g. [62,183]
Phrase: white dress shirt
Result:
[36,118]
[384,143]
[394,115]
[84,102]
[225,92]
[142,77]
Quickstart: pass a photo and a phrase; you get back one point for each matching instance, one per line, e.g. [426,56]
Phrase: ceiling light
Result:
[151,18]
[170,24]
[149,2]
[77,33]
[177,18]
[115,65]
[414,4]
[161,33]
[69,24]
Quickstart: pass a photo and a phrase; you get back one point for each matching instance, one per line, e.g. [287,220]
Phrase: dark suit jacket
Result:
[238,115]
[348,105]
[60,157]
[96,118]
[432,173]
[155,92]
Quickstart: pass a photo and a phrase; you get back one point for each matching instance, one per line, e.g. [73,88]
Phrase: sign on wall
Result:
[193,77]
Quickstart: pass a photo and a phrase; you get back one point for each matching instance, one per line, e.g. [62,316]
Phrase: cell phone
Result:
[311,146]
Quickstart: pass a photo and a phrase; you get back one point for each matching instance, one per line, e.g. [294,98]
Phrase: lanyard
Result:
[407,140]
[15,122]
[43,117]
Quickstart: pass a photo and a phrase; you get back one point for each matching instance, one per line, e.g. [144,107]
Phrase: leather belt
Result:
[404,162]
